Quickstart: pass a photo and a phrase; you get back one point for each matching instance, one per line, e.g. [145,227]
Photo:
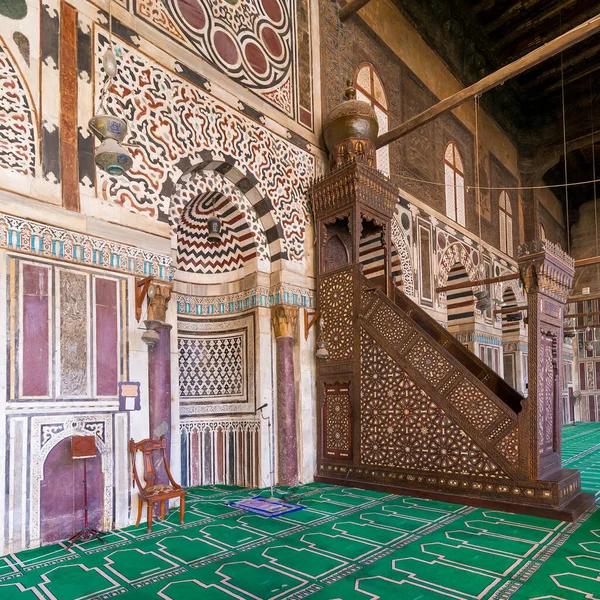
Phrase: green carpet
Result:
[348,544]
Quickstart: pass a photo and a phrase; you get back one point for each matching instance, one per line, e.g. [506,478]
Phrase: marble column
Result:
[284,324]
[159,383]
[159,370]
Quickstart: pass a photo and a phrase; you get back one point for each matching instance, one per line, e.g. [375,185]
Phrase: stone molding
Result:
[256,297]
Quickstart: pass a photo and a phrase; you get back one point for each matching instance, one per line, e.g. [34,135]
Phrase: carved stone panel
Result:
[216,366]
[73,333]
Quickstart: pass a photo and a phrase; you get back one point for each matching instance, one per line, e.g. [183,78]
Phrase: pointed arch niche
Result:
[217,333]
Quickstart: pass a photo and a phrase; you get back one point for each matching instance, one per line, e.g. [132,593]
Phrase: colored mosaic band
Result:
[26,236]
[253,298]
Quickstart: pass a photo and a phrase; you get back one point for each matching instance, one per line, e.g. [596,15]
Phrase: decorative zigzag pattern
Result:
[371,258]
[196,254]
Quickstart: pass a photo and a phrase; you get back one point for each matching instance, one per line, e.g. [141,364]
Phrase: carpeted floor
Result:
[348,544]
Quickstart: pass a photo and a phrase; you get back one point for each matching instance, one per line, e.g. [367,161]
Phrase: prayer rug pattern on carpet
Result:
[348,544]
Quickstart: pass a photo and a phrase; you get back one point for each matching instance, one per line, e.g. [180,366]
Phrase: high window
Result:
[370,89]
[506,226]
[455,184]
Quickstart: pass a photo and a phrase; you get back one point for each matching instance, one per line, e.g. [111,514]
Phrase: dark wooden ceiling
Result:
[477,37]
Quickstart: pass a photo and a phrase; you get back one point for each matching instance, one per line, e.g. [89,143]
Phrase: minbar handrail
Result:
[487,376]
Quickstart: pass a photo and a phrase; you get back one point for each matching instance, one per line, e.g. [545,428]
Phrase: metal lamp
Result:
[150,337]
[322,350]
[483,300]
[113,157]
[214,230]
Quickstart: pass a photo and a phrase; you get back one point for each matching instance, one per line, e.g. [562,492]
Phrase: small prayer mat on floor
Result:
[266,508]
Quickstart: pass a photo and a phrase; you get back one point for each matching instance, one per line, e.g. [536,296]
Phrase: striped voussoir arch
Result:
[511,300]
[248,185]
[238,244]
[371,256]
[460,303]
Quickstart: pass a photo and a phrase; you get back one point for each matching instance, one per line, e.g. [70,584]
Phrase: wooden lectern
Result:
[84,447]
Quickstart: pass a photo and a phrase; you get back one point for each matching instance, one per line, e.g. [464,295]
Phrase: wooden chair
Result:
[154,492]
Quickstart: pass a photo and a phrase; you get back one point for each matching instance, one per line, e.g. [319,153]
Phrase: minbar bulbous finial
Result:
[351,131]
[350,90]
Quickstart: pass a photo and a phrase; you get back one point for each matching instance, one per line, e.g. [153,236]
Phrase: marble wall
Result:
[74,241]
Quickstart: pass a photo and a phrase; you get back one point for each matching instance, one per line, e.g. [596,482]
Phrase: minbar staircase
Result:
[406,408]
[403,406]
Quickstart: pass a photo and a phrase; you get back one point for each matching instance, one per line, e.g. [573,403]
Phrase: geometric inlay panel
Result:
[402,427]
[429,362]
[509,446]
[337,421]
[211,367]
[477,408]
[216,365]
[336,298]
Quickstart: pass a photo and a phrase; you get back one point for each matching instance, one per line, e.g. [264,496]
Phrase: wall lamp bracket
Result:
[310,318]
[141,291]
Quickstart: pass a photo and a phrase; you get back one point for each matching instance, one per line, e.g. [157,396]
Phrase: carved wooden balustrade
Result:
[406,408]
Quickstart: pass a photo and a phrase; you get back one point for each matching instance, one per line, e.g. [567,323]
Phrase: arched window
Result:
[543,232]
[455,184]
[370,89]
[506,226]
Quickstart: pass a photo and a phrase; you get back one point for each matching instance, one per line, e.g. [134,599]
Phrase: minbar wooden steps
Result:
[406,409]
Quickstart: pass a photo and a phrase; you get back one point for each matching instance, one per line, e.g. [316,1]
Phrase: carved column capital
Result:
[159,294]
[546,269]
[284,320]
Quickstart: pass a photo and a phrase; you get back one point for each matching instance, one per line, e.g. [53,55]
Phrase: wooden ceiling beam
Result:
[352,7]
[524,26]
[582,298]
[534,41]
[500,15]
[561,43]
[571,60]
[512,24]
[483,6]
[577,104]
[584,262]
[544,91]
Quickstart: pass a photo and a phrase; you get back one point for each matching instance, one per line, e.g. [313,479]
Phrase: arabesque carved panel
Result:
[402,427]
[335,295]
[337,421]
